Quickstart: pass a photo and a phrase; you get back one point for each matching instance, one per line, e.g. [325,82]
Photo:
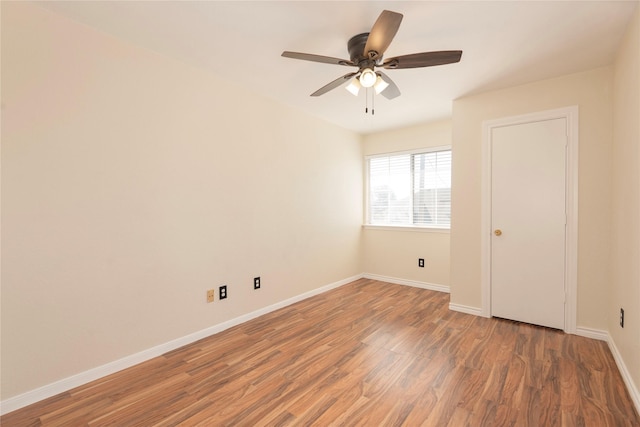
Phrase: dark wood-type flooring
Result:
[368,354]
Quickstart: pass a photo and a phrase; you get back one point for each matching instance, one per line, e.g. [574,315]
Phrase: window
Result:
[410,189]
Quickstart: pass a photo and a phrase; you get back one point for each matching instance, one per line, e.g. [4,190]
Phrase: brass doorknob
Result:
[498,232]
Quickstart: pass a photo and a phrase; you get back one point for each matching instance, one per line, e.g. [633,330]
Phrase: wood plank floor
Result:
[366,354]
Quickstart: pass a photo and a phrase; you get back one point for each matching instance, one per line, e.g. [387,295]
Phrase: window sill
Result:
[407,228]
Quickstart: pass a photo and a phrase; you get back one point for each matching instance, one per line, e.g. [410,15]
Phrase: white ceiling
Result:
[505,43]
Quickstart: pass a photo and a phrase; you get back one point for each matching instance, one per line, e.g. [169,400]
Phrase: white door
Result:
[528,219]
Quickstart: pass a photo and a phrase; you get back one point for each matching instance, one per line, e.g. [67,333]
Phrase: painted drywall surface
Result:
[132,183]
[591,91]
[394,253]
[625,249]
[434,134]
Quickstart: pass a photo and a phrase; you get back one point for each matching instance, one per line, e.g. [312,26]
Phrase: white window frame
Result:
[399,227]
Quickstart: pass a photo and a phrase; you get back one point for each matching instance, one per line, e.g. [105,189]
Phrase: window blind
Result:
[410,189]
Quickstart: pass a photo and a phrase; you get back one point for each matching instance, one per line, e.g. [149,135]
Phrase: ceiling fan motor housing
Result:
[356,45]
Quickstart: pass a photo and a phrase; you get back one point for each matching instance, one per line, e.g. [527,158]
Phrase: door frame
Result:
[571,236]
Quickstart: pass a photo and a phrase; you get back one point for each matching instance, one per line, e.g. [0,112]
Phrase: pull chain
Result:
[373,96]
[366,102]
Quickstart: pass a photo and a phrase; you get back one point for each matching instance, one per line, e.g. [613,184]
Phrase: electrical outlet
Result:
[621,317]
[421,262]
[222,290]
[256,283]
[211,293]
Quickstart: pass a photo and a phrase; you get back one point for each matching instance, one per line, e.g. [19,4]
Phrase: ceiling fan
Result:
[366,50]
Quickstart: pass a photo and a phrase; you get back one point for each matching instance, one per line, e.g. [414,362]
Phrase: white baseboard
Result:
[69,383]
[596,334]
[424,285]
[466,309]
[406,282]
[601,335]
[85,377]
[624,372]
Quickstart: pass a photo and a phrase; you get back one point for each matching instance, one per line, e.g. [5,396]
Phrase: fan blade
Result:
[334,84]
[381,34]
[390,91]
[317,58]
[424,59]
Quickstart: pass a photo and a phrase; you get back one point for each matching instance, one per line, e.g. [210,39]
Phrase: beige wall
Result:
[393,253]
[132,183]
[591,91]
[624,290]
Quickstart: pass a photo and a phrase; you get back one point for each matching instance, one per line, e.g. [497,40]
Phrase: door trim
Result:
[571,253]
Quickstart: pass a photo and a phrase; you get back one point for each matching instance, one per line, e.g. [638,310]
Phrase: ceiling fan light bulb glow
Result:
[380,85]
[368,78]
[354,87]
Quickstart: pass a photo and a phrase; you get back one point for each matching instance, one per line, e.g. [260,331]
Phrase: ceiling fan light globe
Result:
[380,85]
[368,78]
[354,86]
